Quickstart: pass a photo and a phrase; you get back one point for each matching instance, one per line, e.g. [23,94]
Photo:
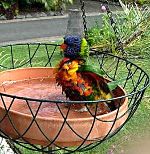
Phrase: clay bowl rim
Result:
[59,101]
[125,103]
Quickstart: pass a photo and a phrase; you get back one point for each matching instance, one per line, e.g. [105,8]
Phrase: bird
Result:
[81,81]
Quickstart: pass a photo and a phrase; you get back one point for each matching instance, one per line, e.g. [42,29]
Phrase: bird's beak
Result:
[63,47]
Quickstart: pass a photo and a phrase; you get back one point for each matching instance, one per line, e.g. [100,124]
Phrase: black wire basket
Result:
[49,133]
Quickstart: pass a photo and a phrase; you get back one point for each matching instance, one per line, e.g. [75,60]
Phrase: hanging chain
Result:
[84,19]
[119,46]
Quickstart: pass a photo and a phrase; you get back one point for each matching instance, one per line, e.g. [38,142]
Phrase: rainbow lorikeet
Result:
[80,81]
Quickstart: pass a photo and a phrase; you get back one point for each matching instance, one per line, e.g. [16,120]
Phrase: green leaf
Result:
[114,84]
[93,69]
[6,5]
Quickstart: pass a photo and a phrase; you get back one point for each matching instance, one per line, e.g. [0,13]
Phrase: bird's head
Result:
[71,46]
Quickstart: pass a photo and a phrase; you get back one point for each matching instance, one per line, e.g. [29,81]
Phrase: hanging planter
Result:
[74,105]
[34,111]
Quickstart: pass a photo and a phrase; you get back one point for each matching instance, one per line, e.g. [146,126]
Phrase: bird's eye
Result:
[76,39]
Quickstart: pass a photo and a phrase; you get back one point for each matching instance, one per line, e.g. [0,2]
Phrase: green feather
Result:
[84,48]
[93,69]
[114,84]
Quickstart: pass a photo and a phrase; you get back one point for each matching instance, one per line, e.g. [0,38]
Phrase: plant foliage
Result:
[141,2]
[133,26]
[52,4]
[8,8]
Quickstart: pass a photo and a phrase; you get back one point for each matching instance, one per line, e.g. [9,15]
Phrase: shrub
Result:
[8,8]
[52,4]
[133,26]
[141,2]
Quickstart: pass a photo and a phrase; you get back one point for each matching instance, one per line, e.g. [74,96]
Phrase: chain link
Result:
[84,19]
[119,46]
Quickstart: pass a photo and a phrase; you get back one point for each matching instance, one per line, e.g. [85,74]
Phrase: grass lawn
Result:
[29,56]
[137,128]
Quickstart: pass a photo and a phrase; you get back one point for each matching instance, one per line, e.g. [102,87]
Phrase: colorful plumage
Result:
[84,48]
[78,80]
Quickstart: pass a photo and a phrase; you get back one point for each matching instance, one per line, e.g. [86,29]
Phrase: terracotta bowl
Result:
[49,125]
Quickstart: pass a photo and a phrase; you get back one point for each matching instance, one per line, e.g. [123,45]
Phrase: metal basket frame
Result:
[136,82]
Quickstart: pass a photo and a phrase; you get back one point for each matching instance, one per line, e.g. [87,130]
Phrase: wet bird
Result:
[79,80]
